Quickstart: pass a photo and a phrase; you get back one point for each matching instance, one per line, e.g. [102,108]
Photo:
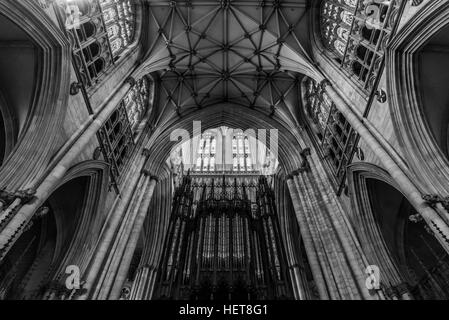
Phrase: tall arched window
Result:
[118,16]
[100,31]
[121,129]
[137,103]
[333,135]
[212,152]
[336,22]
[355,33]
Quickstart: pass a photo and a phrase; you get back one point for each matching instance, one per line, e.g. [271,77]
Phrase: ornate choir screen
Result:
[100,31]
[356,32]
[223,242]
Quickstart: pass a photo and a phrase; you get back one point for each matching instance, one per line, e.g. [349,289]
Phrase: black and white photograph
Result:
[224,158]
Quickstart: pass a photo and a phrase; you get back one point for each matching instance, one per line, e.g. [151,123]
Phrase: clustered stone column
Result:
[155,228]
[292,240]
[117,244]
[148,190]
[334,255]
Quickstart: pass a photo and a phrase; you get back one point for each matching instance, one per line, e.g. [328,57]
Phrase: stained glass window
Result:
[213,146]
[137,102]
[118,16]
[235,164]
[212,152]
[120,130]
[249,165]
[334,135]
[99,30]
[206,164]
[355,34]
[336,20]
[234,145]
[212,164]
[198,164]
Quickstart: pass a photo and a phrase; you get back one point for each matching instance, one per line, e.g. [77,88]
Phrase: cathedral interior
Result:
[211,150]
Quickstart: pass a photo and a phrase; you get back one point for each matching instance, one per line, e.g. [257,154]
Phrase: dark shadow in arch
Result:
[394,237]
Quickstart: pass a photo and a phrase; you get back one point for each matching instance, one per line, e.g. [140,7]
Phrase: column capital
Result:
[433,199]
[390,292]
[295,172]
[306,152]
[131,81]
[146,152]
[26,195]
[148,173]
[402,288]
[305,165]
[325,83]
[6,197]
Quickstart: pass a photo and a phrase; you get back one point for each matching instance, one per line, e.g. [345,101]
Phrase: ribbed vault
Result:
[249,53]
[232,63]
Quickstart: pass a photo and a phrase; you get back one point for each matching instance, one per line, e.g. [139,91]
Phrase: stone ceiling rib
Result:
[243,52]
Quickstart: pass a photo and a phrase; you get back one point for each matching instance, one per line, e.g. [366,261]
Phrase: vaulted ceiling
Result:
[250,53]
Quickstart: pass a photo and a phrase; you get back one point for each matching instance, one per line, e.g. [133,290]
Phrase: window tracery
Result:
[100,31]
[120,130]
[355,33]
[334,135]
[137,102]
[207,149]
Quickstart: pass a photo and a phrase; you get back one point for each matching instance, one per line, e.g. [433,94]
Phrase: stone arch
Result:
[39,119]
[233,116]
[8,129]
[66,228]
[92,216]
[393,236]
[419,107]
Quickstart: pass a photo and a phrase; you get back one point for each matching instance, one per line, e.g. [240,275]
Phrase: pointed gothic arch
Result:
[419,102]
[8,129]
[62,232]
[233,116]
[394,237]
[37,95]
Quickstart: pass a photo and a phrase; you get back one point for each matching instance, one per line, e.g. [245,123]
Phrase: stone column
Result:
[133,238]
[292,239]
[334,254]
[116,248]
[118,213]
[307,238]
[142,283]
[155,229]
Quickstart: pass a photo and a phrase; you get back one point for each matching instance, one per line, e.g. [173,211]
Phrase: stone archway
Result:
[35,66]
[418,100]
[394,237]
[62,232]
